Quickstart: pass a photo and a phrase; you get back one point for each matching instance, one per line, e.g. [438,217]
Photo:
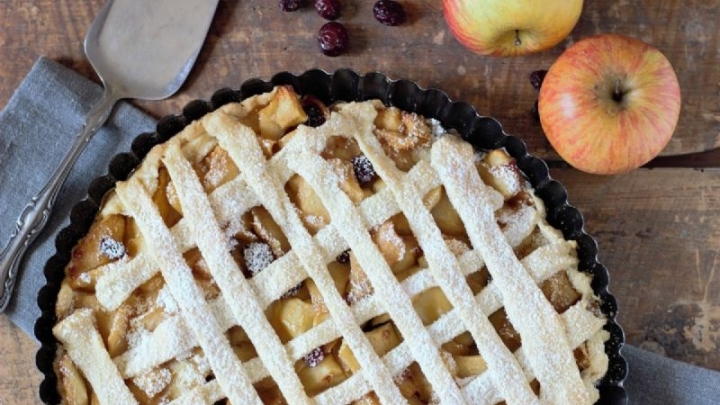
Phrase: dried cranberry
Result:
[364,170]
[290,5]
[343,257]
[328,9]
[389,12]
[333,38]
[315,114]
[315,357]
[537,77]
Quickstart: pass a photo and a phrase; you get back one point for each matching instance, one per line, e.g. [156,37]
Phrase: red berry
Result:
[389,12]
[315,357]
[289,5]
[344,257]
[364,170]
[328,9]
[537,77]
[315,111]
[315,115]
[333,39]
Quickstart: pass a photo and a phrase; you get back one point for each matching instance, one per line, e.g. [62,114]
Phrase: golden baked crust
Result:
[372,259]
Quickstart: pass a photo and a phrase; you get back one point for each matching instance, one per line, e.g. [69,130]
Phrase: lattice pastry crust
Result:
[282,251]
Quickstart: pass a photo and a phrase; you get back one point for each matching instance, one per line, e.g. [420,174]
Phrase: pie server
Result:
[139,49]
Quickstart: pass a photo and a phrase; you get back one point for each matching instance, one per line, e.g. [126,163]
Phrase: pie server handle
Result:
[36,213]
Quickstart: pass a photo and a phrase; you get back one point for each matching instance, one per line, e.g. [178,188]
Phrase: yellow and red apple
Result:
[511,27]
[609,104]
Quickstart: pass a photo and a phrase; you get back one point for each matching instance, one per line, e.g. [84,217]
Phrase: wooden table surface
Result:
[658,228]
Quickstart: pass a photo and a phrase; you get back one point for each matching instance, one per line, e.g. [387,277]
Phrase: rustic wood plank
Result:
[255,39]
[659,235]
[658,230]
[19,379]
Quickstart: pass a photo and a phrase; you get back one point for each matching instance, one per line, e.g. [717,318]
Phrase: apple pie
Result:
[280,250]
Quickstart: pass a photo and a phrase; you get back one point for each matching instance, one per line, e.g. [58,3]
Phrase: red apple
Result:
[609,104]
[511,27]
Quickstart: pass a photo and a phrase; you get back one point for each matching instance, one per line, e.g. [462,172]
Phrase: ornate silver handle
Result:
[35,216]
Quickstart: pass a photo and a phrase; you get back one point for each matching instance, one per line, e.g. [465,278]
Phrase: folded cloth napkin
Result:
[36,130]
[38,126]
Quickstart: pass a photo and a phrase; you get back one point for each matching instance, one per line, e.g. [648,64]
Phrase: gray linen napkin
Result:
[656,380]
[37,127]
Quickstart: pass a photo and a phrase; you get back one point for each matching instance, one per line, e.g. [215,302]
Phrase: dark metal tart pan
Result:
[484,133]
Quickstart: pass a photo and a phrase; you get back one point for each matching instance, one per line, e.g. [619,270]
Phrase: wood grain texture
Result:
[255,39]
[658,230]
[19,379]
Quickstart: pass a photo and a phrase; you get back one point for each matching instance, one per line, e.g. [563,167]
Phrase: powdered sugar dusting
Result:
[537,322]
[85,278]
[79,335]
[518,224]
[112,248]
[166,301]
[279,206]
[179,278]
[374,211]
[508,177]
[386,285]
[358,290]
[201,363]
[391,245]
[436,128]
[316,221]
[153,382]
[138,335]
[258,256]
[216,169]
[364,171]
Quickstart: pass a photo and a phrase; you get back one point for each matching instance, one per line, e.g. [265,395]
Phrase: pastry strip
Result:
[270,274]
[242,145]
[444,266]
[238,294]
[550,354]
[171,337]
[386,287]
[206,394]
[581,326]
[114,288]
[79,335]
[119,279]
[177,274]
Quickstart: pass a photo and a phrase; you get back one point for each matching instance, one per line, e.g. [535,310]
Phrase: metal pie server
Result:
[140,49]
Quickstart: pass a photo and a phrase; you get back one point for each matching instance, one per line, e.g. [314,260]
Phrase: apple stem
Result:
[617,95]
[518,42]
